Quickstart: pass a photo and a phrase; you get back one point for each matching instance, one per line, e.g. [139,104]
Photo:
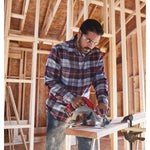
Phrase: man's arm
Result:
[101,87]
[52,78]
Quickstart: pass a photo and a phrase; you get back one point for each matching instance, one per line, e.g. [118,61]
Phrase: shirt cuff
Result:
[69,97]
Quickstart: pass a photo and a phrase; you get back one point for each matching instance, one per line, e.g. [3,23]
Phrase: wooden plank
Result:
[24,13]
[92,12]
[130,73]
[117,3]
[23,38]
[105,16]
[23,95]
[6,31]
[69,33]
[38,91]
[117,8]
[124,64]
[96,133]
[140,57]
[46,26]
[26,49]
[8,116]
[20,84]
[86,4]
[18,81]
[33,76]
[18,16]
[130,17]
[17,116]
[135,67]
[124,59]
[112,72]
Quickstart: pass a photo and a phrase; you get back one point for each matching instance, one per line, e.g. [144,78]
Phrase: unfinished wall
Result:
[23,44]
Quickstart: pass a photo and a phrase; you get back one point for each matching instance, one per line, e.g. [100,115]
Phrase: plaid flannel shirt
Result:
[69,73]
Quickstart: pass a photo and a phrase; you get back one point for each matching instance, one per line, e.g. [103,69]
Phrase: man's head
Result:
[89,35]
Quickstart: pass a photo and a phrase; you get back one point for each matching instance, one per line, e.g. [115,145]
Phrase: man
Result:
[72,67]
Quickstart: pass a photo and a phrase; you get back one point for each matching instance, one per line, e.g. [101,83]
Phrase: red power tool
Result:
[69,109]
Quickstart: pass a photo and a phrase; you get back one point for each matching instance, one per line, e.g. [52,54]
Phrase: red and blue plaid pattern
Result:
[69,73]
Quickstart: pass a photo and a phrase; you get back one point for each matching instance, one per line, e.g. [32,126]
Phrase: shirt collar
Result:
[72,44]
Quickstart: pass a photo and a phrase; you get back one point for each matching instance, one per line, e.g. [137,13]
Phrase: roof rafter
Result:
[47,25]
[24,13]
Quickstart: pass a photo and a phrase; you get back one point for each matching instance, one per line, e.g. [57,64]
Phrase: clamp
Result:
[131,134]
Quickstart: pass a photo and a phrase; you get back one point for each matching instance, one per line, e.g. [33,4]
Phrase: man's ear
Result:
[79,33]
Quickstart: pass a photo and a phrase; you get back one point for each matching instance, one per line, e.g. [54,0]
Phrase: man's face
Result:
[86,42]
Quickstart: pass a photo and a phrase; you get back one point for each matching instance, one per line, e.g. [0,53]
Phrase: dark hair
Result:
[91,25]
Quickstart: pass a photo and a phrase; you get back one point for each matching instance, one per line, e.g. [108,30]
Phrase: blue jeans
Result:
[55,137]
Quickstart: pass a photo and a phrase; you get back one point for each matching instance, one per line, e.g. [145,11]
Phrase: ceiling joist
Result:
[46,26]
[24,13]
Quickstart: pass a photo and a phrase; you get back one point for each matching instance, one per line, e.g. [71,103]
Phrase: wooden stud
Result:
[112,72]
[92,12]
[6,40]
[117,8]
[46,27]
[124,59]
[130,17]
[17,116]
[117,3]
[135,68]
[140,60]
[8,116]
[18,16]
[69,33]
[33,77]
[86,4]
[20,84]
[46,16]
[140,57]
[38,90]
[124,65]
[24,12]
[105,16]
[18,81]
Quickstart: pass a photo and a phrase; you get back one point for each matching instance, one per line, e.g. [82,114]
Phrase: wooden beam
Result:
[117,8]
[69,32]
[143,1]
[105,10]
[92,12]
[24,13]
[112,72]
[24,38]
[20,84]
[135,129]
[124,59]
[47,15]
[18,81]
[38,91]
[86,4]
[46,26]
[17,126]
[17,116]
[33,76]
[124,64]
[140,57]
[18,16]
[6,31]
[117,3]
[130,17]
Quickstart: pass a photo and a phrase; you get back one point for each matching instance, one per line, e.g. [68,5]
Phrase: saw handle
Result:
[89,103]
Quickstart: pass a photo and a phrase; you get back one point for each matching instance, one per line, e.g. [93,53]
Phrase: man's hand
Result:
[105,109]
[77,102]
